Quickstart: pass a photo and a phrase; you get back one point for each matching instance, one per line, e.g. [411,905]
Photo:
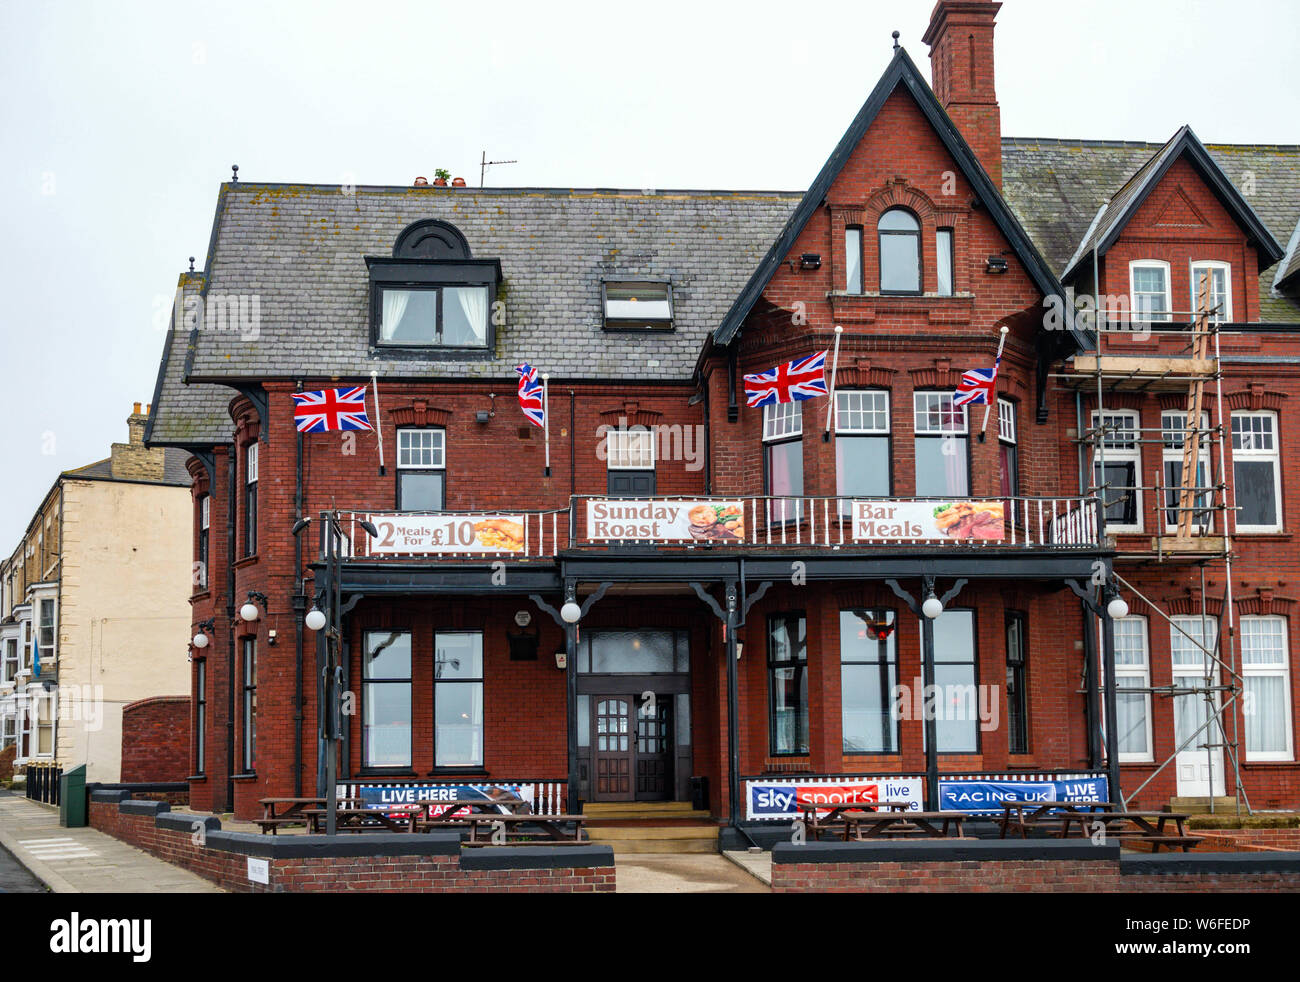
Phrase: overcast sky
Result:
[120,120]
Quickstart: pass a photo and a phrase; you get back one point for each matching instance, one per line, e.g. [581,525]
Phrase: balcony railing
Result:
[722,522]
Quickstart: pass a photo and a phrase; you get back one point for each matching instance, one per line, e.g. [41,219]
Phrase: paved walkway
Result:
[683,873]
[84,860]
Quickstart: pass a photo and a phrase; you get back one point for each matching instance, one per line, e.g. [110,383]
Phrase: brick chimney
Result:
[960,37]
[133,461]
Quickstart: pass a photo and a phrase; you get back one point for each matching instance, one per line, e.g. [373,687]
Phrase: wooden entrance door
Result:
[614,750]
[654,751]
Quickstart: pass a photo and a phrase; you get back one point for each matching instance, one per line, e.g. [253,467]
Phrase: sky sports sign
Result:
[985,797]
[781,798]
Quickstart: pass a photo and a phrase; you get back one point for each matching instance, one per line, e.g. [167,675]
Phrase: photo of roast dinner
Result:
[717,522]
[970,520]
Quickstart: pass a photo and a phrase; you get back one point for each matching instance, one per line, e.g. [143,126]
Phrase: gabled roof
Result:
[1288,271]
[1115,214]
[901,71]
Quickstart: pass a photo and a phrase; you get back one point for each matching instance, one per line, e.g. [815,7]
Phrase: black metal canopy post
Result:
[571,698]
[1108,669]
[1101,717]
[733,711]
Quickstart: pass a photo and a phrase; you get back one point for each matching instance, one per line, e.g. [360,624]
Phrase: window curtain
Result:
[395,302]
[473,304]
[1265,731]
[1130,719]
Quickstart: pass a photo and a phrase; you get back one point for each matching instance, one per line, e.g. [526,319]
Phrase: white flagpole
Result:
[996,362]
[835,364]
[379,426]
[546,419]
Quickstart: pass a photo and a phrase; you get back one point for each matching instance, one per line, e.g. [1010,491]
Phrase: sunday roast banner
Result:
[663,519]
[424,534]
[891,520]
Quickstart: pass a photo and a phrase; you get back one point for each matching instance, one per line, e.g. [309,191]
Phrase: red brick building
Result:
[749,582]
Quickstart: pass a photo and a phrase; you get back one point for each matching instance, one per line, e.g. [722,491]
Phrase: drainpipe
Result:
[299,612]
[231,454]
[1112,723]
[573,451]
[733,712]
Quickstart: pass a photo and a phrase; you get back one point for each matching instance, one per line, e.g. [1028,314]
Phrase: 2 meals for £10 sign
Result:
[430,534]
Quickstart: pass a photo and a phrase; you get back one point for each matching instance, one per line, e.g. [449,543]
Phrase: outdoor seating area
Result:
[878,820]
[1088,819]
[481,820]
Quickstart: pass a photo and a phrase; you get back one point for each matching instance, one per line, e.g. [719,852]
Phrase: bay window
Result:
[458,699]
[205,524]
[787,673]
[250,500]
[1266,681]
[868,675]
[386,699]
[1256,476]
[1017,685]
[783,460]
[957,703]
[200,715]
[249,705]
[941,443]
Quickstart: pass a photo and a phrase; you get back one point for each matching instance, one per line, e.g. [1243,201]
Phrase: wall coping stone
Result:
[536,857]
[377,844]
[184,821]
[110,797]
[944,851]
[142,807]
[1185,863]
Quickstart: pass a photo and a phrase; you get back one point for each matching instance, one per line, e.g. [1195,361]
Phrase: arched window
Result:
[900,252]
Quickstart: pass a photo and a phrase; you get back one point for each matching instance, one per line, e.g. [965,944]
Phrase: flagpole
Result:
[835,364]
[996,362]
[379,423]
[546,419]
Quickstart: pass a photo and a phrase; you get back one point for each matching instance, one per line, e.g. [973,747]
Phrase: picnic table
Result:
[1148,827]
[294,812]
[484,813]
[1043,814]
[879,819]
[355,817]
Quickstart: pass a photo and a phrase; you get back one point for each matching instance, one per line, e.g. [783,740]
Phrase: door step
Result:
[650,809]
[1201,805]
[660,839]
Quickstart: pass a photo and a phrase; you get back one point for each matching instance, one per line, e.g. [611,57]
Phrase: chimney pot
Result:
[136,410]
[458,182]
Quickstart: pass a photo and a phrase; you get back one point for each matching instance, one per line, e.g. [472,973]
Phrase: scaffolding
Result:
[1191,513]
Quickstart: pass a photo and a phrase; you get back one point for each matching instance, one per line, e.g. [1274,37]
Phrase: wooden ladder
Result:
[1187,493]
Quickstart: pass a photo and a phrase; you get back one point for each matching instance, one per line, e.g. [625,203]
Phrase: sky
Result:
[118,122]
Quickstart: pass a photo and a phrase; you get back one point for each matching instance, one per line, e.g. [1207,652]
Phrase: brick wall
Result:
[156,740]
[420,864]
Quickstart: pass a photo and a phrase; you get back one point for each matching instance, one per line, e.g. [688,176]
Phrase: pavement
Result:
[684,873]
[83,860]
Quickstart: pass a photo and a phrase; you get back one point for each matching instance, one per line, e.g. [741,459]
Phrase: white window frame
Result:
[782,421]
[632,449]
[853,251]
[1272,455]
[1141,673]
[1007,421]
[924,401]
[37,695]
[1126,450]
[846,412]
[250,464]
[1166,304]
[1225,315]
[436,449]
[1279,669]
[1171,441]
[8,665]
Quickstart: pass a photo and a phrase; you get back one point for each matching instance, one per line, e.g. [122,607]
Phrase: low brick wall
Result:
[370,862]
[1033,866]
[945,866]
[156,739]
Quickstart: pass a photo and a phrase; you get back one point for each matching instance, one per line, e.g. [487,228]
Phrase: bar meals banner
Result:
[666,520]
[779,798]
[984,796]
[895,520]
[429,534]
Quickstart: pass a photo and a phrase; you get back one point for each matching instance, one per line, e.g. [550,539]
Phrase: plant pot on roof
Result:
[440,177]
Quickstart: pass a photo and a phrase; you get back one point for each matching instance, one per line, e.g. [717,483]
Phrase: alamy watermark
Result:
[232,313]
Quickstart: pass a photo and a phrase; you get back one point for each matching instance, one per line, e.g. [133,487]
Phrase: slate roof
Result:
[174,469]
[1056,187]
[300,250]
[1288,270]
[186,414]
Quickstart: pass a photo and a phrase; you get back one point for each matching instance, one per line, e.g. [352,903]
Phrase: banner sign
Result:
[778,798]
[985,797]
[661,519]
[876,520]
[392,799]
[431,534]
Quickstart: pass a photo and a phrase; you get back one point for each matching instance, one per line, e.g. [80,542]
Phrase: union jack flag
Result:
[331,409]
[793,381]
[530,394]
[976,386]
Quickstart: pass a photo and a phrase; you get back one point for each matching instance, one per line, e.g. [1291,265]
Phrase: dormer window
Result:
[638,306]
[900,252]
[432,293]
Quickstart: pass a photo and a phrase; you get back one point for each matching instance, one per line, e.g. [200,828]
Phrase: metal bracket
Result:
[956,589]
[352,601]
[1085,595]
[707,597]
[751,599]
[904,596]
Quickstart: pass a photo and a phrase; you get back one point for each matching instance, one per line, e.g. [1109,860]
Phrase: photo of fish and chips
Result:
[717,523]
[970,520]
[500,534]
